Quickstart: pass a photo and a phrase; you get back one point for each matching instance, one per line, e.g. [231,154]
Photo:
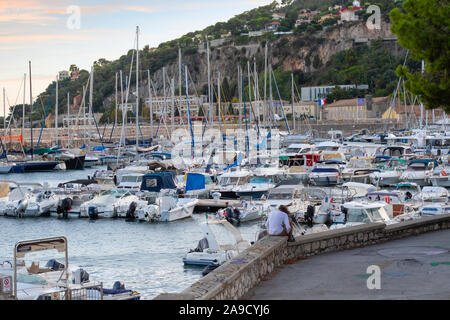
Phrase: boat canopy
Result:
[424,161]
[195,181]
[155,181]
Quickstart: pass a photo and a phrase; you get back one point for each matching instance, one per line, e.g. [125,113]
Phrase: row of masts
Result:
[268,113]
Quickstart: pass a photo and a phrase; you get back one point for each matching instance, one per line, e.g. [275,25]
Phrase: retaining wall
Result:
[236,277]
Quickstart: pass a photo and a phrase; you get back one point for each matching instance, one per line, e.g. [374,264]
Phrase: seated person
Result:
[278,223]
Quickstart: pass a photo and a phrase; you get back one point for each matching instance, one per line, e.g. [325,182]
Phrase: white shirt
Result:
[275,222]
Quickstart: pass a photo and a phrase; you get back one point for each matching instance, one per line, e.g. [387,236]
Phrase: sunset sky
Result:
[37,30]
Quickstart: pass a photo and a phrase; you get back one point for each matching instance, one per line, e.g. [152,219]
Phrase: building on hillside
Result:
[62,75]
[348,15]
[327,16]
[278,16]
[74,75]
[315,93]
[272,26]
[357,109]
[411,113]
[225,35]
[77,100]
[254,33]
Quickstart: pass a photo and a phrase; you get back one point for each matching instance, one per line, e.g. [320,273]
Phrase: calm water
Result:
[146,257]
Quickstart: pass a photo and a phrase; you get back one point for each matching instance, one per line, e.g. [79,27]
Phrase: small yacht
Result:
[390,171]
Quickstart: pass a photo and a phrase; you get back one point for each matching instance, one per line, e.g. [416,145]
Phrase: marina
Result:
[197,169]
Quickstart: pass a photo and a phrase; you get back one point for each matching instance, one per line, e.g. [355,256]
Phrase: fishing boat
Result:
[243,211]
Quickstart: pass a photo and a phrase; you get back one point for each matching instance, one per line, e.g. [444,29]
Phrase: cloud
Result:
[39,37]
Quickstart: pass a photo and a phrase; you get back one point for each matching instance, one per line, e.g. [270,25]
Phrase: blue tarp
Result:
[155,181]
[195,181]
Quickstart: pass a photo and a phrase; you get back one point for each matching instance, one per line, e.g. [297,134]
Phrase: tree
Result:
[423,28]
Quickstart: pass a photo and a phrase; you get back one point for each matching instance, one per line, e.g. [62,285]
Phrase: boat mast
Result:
[56,112]
[4,114]
[172,87]
[31,113]
[265,87]
[91,93]
[211,115]
[292,94]
[115,112]
[240,96]
[421,104]
[68,119]
[137,88]
[84,117]
[23,105]
[151,103]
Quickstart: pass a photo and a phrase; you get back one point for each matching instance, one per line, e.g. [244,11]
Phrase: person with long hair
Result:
[279,223]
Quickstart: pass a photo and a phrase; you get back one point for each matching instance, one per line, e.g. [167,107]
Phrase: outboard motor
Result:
[64,207]
[131,210]
[54,265]
[80,276]
[118,286]
[22,206]
[93,212]
[237,215]
[309,215]
[210,268]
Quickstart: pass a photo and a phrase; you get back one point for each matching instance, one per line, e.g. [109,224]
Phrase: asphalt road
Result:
[416,267]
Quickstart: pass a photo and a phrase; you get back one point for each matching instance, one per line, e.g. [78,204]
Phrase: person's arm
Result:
[287,223]
[267,222]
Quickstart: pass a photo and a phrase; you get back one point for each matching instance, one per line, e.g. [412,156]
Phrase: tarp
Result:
[155,181]
[195,181]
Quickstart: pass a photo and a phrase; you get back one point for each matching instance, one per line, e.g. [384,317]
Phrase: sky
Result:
[53,34]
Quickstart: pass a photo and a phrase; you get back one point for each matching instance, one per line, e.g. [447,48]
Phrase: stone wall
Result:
[235,278]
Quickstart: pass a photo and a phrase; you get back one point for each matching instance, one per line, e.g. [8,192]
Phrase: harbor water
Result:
[145,257]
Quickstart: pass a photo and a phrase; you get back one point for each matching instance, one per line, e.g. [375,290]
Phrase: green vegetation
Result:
[423,28]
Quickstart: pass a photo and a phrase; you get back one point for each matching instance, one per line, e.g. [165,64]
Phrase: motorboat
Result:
[165,207]
[263,179]
[326,173]
[198,185]
[359,170]
[229,181]
[419,171]
[390,172]
[109,204]
[55,281]
[131,181]
[208,250]
[243,211]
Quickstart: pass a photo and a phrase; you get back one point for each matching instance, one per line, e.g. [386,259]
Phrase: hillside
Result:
[320,52]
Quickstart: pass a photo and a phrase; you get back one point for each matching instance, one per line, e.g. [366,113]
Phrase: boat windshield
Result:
[325,170]
[115,192]
[357,215]
[375,214]
[233,180]
[417,167]
[131,179]
[293,150]
[260,180]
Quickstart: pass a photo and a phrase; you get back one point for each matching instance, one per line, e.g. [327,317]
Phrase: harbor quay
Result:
[413,257]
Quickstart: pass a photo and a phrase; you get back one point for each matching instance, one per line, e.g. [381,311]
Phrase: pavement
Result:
[416,267]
